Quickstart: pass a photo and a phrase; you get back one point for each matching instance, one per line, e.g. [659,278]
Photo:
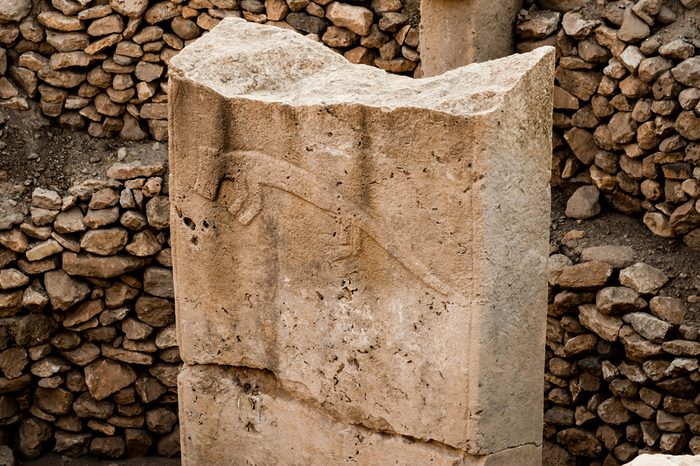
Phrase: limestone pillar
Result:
[455,33]
[359,257]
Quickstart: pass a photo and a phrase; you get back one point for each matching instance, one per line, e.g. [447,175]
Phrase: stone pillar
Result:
[455,33]
[359,257]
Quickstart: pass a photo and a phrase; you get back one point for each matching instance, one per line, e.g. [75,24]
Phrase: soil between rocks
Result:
[672,256]
[36,153]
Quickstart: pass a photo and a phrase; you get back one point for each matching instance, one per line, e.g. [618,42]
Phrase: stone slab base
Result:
[243,416]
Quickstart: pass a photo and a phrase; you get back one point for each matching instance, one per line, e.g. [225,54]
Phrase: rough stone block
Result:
[373,246]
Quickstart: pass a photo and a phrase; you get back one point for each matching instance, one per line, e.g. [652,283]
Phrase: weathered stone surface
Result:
[158,212]
[125,171]
[671,310]
[64,291]
[648,326]
[14,10]
[53,400]
[87,265]
[586,275]
[43,250]
[12,278]
[158,281]
[618,299]
[13,361]
[156,312]
[104,242]
[388,236]
[604,326]
[583,203]
[83,313]
[643,278]
[105,377]
[325,436]
[617,256]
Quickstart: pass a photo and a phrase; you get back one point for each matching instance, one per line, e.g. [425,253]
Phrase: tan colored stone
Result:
[586,275]
[604,326]
[87,265]
[265,438]
[643,278]
[105,377]
[104,242]
[43,250]
[452,33]
[64,291]
[375,254]
[59,22]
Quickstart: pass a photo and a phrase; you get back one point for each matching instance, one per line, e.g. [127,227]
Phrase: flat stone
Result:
[618,300]
[636,347]
[688,72]
[106,377]
[12,278]
[14,240]
[538,24]
[109,447]
[70,221]
[143,244]
[606,327]
[83,313]
[355,18]
[616,256]
[578,26]
[83,354]
[632,29]
[13,361]
[157,312]
[53,400]
[643,278]
[87,265]
[612,412]
[648,326]
[129,357]
[149,389]
[14,10]
[46,199]
[64,291]
[586,275]
[681,347]
[130,8]
[136,330]
[10,216]
[158,212]
[158,281]
[672,310]
[101,218]
[137,169]
[160,420]
[104,242]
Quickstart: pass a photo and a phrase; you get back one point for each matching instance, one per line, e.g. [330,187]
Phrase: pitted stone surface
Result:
[365,275]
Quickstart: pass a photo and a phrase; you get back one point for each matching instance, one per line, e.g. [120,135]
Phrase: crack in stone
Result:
[271,384]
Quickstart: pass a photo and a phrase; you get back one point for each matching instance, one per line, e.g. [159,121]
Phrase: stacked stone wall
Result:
[626,106]
[88,354]
[102,65]
[622,373]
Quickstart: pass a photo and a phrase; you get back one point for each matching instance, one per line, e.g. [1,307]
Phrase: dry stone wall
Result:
[627,106]
[622,373]
[88,352]
[102,65]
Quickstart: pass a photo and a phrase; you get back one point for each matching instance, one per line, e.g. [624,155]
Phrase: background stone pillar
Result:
[455,33]
[359,257]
